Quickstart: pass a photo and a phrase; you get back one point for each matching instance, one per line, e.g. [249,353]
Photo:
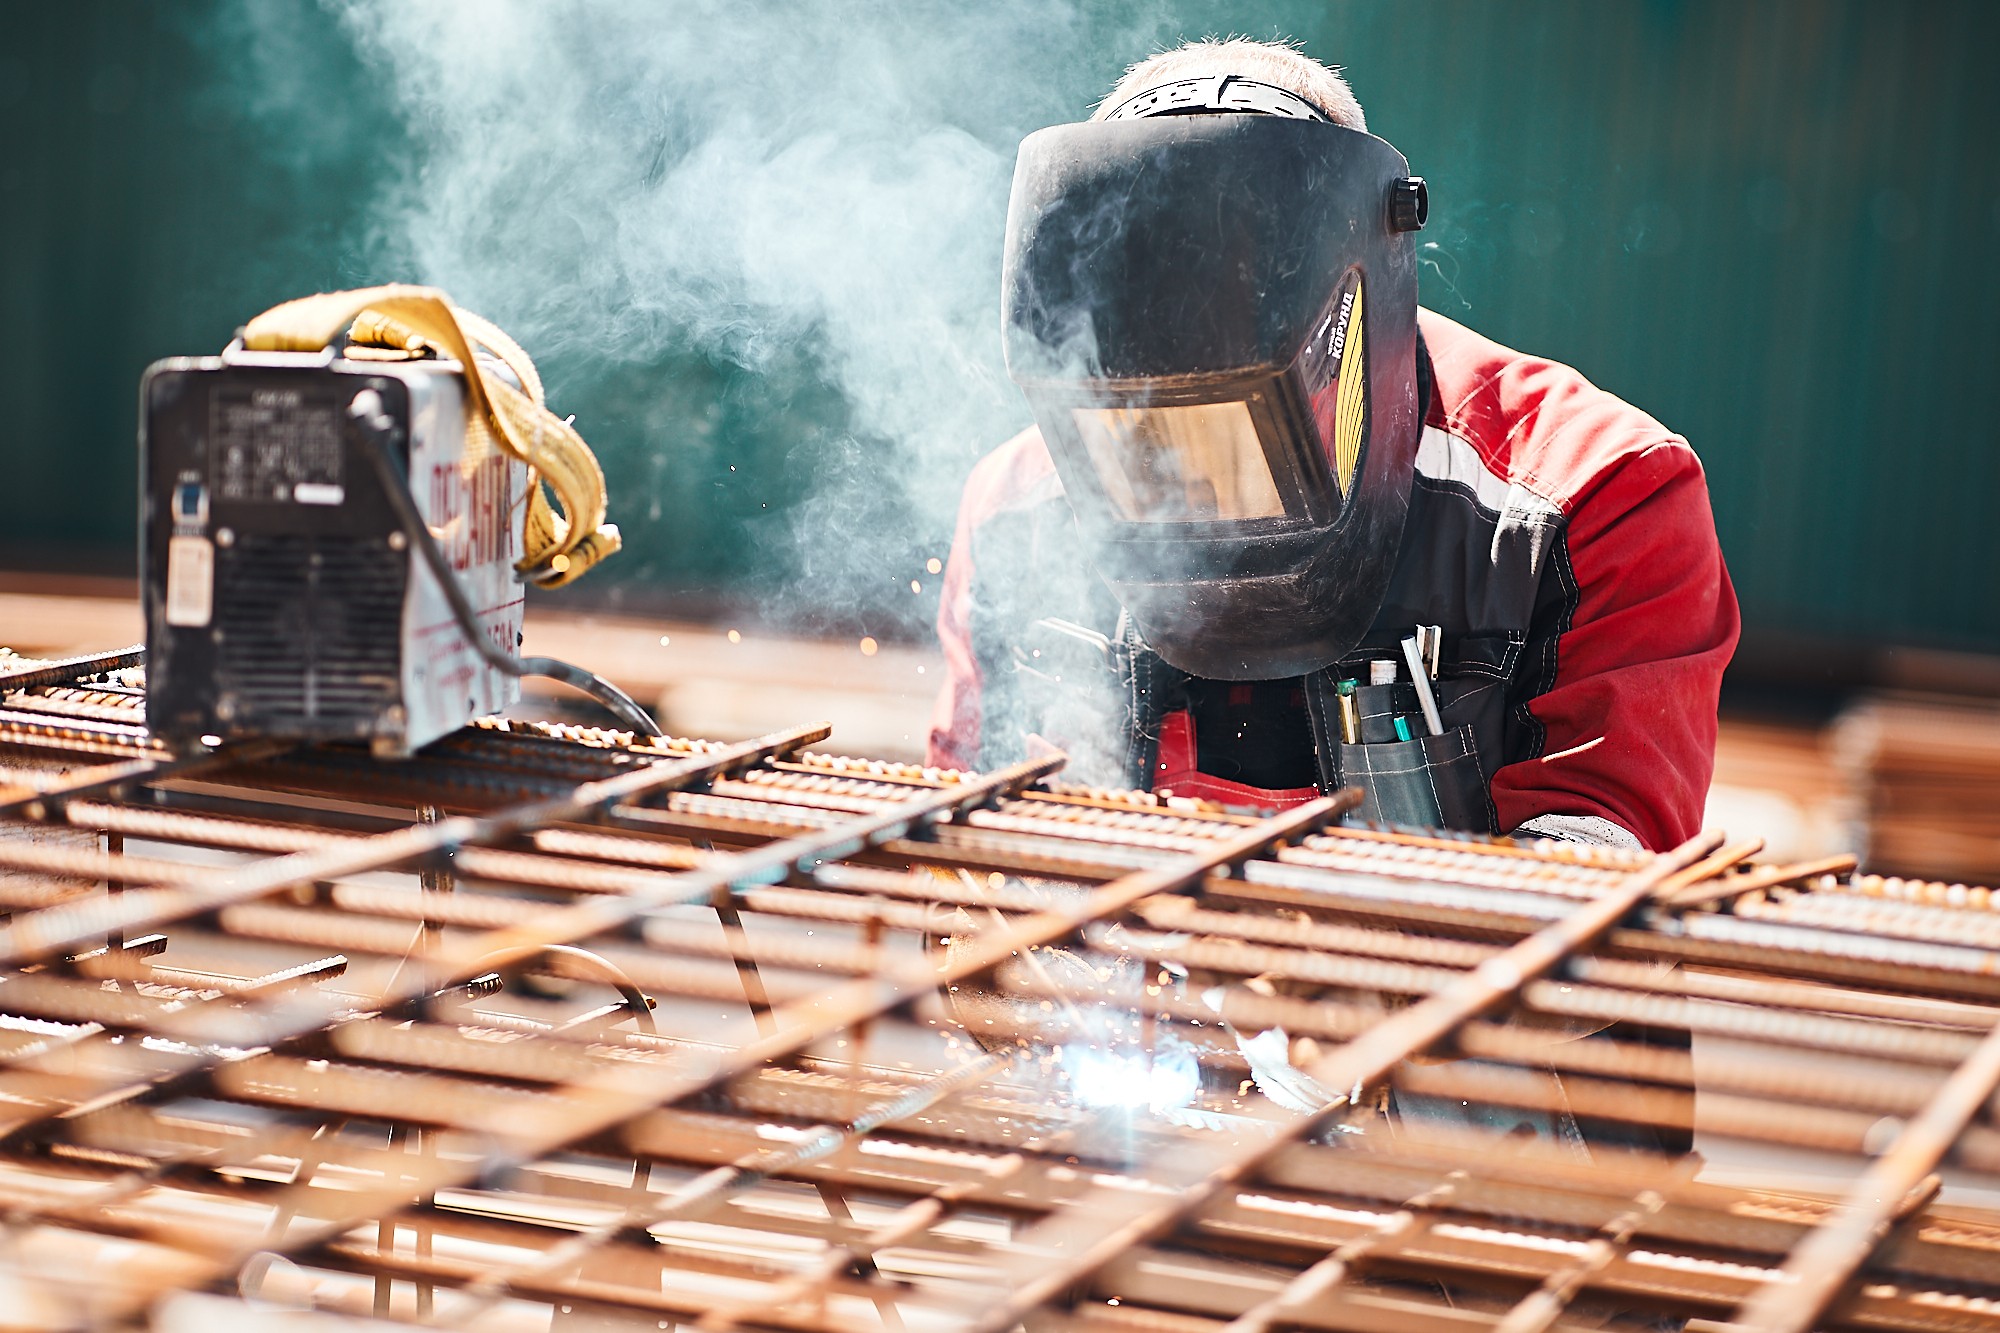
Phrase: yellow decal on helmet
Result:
[1351,404]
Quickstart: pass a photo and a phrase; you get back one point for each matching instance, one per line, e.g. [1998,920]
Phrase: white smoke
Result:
[770,186]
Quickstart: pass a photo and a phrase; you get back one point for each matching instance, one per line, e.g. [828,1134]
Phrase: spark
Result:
[1573,750]
[1163,1080]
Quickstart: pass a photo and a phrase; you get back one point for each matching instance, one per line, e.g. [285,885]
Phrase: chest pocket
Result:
[1417,777]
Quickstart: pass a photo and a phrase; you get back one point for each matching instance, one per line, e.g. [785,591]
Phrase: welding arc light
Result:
[1162,1079]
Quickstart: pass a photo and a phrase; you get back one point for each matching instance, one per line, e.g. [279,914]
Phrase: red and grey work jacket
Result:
[1561,538]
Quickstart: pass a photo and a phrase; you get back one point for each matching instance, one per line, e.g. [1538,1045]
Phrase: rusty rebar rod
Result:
[1826,1261]
[1358,1064]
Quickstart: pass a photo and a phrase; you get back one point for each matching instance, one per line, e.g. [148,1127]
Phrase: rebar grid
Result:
[552,1027]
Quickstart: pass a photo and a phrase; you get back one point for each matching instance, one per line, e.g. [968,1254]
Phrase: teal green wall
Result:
[1772,225]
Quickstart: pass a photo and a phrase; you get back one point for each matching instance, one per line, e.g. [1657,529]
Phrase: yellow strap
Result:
[558,546]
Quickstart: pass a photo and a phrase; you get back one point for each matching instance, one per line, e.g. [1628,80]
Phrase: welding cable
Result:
[374,426]
[582,960]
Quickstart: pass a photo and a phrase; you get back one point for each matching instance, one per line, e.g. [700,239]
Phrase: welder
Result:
[1278,531]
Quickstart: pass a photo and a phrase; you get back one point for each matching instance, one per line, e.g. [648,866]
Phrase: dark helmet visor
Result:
[1274,452]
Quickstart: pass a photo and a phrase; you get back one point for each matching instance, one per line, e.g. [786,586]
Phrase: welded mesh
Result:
[547,1027]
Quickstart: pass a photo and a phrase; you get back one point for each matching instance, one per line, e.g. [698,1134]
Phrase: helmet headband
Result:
[1214,94]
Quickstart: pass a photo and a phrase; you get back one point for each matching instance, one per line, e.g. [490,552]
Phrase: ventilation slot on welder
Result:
[310,628]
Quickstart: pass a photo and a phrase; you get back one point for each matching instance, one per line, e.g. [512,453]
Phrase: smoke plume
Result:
[805,199]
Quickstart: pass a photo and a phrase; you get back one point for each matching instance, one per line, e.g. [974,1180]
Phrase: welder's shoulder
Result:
[1017,475]
[1537,423]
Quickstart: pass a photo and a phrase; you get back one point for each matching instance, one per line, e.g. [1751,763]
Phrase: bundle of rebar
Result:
[1926,771]
[552,1027]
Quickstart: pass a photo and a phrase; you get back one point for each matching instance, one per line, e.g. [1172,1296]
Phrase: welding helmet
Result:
[1213,317]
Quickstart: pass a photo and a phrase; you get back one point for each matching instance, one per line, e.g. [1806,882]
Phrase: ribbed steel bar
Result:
[775,861]
[1093,1240]
[1313,1283]
[62,671]
[153,1071]
[750,868]
[920,979]
[564,925]
[607,1100]
[39,934]
[709,1190]
[1826,1261]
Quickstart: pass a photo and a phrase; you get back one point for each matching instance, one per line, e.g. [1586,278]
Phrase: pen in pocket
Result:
[1421,679]
[1350,713]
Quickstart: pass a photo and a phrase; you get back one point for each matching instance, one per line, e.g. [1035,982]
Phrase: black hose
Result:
[373,428]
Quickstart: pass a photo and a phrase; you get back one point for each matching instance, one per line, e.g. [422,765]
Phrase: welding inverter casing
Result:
[283,598]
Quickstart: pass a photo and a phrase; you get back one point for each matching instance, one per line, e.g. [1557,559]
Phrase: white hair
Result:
[1280,64]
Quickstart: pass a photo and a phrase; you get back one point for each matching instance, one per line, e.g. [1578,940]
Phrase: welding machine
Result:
[331,542]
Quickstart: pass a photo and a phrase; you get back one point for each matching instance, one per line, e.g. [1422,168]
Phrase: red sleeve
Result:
[1631,717]
[954,741]
[1012,474]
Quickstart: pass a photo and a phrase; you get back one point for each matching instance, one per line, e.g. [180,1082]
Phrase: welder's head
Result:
[1210,300]
[1269,64]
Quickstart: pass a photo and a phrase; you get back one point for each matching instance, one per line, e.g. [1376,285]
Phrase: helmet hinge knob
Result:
[1409,204]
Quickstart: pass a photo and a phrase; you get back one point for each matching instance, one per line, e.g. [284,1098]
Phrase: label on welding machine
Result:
[190,581]
[276,445]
